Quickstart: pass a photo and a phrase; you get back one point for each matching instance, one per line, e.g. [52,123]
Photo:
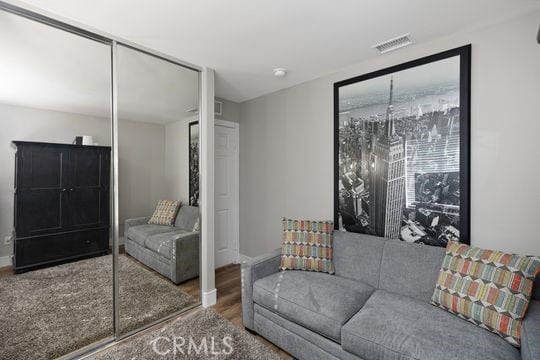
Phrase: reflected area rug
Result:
[50,312]
[203,334]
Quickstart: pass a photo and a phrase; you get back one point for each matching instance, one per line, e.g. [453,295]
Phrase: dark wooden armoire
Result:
[61,203]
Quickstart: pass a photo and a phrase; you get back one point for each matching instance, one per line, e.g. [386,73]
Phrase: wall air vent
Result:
[218,109]
[393,44]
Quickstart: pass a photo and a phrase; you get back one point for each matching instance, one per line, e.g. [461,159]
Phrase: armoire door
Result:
[40,190]
[88,203]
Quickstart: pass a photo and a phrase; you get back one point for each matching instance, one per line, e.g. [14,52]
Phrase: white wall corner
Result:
[5,261]
[243,258]
[209,298]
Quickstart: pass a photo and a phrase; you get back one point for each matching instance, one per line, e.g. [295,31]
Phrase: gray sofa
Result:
[172,251]
[376,306]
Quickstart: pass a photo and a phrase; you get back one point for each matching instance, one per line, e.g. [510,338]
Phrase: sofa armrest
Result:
[253,270]
[530,332]
[185,256]
[134,222]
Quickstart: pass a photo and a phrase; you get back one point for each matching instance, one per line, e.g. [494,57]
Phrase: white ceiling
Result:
[153,90]
[243,40]
[46,68]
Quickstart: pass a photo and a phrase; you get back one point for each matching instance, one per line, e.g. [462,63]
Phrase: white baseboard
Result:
[243,258]
[209,298]
[5,261]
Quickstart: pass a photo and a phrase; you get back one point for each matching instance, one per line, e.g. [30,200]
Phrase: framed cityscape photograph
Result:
[401,151]
[194,163]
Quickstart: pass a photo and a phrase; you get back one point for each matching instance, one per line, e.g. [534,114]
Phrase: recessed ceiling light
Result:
[280,72]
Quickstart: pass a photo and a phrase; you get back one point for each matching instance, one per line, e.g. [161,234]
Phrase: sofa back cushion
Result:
[187,217]
[358,256]
[410,269]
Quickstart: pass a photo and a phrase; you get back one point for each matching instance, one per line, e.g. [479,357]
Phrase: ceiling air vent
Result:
[393,44]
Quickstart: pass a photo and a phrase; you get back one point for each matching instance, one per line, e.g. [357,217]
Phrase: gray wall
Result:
[177,159]
[141,168]
[286,143]
[141,154]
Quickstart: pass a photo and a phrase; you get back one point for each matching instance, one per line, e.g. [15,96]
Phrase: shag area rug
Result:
[203,334]
[50,312]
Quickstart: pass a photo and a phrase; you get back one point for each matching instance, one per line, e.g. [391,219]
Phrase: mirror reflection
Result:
[56,264]
[158,189]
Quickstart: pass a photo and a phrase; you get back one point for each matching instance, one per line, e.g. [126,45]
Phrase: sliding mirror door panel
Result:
[159,225]
[56,275]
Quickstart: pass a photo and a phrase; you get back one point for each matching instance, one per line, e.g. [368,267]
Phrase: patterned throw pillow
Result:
[307,245]
[165,212]
[197,225]
[488,288]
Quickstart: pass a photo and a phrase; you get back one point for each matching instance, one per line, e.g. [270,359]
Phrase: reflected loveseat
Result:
[376,306]
[172,251]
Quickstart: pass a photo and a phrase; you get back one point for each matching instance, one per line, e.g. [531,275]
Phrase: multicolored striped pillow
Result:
[307,245]
[489,288]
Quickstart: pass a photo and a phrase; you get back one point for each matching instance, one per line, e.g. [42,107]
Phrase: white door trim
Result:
[236,185]
[226,123]
[209,298]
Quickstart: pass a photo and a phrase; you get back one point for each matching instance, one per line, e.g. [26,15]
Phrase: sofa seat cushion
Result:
[140,233]
[317,301]
[162,243]
[392,326]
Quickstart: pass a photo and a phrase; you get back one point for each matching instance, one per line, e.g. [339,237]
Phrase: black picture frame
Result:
[193,151]
[464,53]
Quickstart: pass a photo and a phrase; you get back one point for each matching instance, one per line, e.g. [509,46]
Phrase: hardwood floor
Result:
[6,271]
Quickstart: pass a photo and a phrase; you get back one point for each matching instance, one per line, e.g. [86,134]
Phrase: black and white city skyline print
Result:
[398,165]
[194,163]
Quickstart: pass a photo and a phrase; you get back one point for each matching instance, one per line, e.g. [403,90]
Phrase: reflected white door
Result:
[226,193]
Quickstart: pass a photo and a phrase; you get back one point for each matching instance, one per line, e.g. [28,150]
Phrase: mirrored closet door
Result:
[99,191]
[56,278]
[158,209]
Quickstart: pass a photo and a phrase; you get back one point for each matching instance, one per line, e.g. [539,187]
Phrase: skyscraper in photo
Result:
[387,178]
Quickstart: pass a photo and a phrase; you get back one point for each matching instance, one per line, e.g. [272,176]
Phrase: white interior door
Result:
[226,193]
